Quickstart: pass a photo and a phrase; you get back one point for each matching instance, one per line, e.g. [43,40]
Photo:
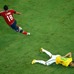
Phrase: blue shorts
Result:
[15,27]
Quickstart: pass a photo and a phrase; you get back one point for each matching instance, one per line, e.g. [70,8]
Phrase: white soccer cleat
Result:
[28,33]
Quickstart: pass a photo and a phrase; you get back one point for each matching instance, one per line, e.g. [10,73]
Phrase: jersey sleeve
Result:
[13,11]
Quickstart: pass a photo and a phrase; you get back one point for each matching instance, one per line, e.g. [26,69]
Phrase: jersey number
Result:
[10,17]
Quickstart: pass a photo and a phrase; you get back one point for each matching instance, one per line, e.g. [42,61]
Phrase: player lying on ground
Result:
[8,17]
[58,59]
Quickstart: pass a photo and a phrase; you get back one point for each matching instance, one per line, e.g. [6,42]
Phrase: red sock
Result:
[24,33]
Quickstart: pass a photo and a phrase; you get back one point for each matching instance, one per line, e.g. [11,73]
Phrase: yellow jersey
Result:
[64,61]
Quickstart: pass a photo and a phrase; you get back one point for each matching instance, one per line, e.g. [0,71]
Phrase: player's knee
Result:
[17,30]
[46,64]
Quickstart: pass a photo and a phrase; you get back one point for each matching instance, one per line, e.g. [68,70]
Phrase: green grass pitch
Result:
[51,24]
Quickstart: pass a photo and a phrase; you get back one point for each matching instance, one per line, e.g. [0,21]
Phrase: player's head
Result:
[72,64]
[5,7]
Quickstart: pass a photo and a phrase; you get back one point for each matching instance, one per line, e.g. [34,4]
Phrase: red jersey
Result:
[8,16]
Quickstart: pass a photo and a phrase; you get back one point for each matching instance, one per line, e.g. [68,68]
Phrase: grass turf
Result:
[51,25]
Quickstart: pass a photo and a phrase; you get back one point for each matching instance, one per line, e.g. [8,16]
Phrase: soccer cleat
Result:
[34,61]
[28,33]
[41,49]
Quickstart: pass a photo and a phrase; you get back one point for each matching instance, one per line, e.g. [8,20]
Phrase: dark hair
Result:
[73,61]
[5,7]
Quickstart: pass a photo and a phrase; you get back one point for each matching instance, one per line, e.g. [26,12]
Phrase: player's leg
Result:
[23,32]
[39,61]
[19,29]
[50,61]
[47,52]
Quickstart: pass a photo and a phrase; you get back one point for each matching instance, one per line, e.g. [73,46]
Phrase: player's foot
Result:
[28,33]
[34,61]
[41,49]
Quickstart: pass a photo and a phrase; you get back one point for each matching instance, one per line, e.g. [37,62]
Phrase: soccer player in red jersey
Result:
[8,17]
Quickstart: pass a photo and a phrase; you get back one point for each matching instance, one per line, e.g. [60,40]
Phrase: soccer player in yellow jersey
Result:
[58,59]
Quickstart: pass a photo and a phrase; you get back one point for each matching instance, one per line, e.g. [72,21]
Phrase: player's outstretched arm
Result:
[68,54]
[18,13]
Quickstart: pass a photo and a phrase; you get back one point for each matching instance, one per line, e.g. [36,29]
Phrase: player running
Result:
[8,17]
[58,59]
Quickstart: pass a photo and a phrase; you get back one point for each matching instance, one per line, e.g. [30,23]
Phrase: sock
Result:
[24,32]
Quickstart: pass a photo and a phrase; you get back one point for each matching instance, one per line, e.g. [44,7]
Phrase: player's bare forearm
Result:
[18,13]
[68,54]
